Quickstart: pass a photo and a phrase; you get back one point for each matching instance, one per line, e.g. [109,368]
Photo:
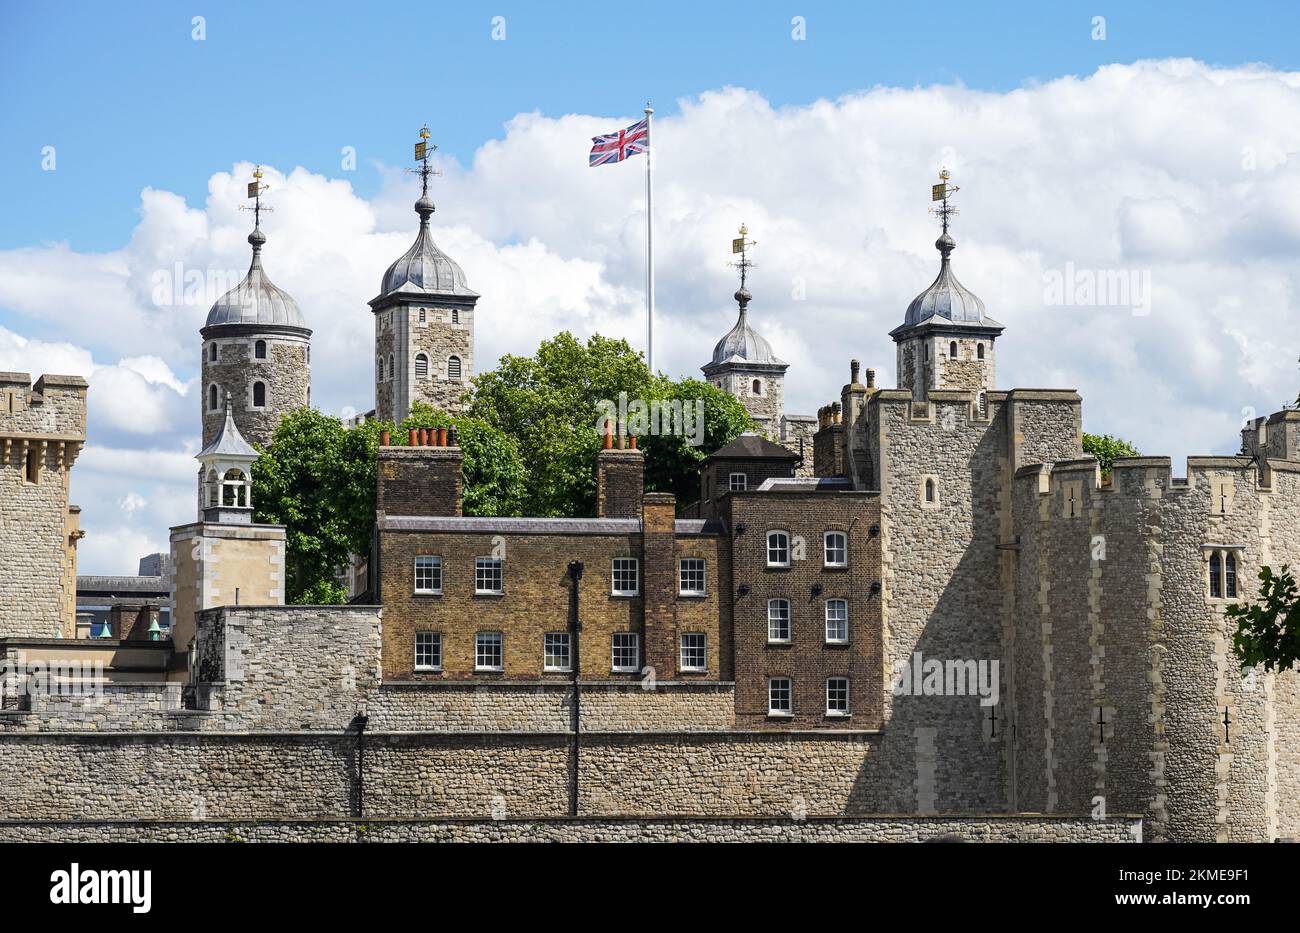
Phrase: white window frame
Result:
[845,621]
[734,486]
[826,549]
[482,639]
[624,565]
[435,647]
[699,644]
[460,369]
[778,604]
[772,708]
[494,566]
[785,547]
[848,697]
[421,358]
[434,564]
[702,572]
[621,640]
[548,653]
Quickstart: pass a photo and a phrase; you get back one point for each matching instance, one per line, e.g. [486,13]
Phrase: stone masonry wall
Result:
[811,829]
[286,373]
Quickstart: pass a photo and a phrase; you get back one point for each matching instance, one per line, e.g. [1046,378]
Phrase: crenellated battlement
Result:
[52,410]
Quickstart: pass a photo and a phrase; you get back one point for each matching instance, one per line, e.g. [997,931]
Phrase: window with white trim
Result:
[555,652]
[487,575]
[625,582]
[694,652]
[626,653]
[779,699]
[737,482]
[837,621]
[778,620]
[488,655]
[428,575]
[453,368]
[836,550]
[778,549]
[421,367]
[428,651]
[691,577]
[837,696]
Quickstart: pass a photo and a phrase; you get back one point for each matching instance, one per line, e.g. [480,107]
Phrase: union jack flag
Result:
[615,147]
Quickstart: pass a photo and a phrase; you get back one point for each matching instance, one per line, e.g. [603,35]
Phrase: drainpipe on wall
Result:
[575,630]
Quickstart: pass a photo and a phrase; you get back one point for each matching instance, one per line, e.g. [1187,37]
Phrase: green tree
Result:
[1268,631]
[495,477]
[550,404]
[1106,449]
[318,480]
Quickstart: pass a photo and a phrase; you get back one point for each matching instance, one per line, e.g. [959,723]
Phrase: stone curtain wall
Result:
[813,829]
[1124,662]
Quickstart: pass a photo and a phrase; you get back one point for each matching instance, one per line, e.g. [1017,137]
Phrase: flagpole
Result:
[649,251]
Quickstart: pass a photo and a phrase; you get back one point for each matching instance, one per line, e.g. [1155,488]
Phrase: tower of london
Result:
[923,612]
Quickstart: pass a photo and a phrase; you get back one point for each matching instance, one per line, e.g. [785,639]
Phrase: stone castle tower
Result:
[745,367]
[257,351]
[424,324]
[946,339]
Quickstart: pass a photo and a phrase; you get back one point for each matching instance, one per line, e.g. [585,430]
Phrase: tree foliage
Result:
[551,405]
[1107,449]
[1268,631]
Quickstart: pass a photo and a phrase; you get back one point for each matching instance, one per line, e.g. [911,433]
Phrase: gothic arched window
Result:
[929,490]
[453,368]
[259,349]
[259,394]
[1216,581]
[1230,575]
[421,366]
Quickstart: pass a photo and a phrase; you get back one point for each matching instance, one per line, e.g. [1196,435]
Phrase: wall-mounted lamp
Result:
[817,589]
[875,587]
[875,531]
[740,529]
[742,590]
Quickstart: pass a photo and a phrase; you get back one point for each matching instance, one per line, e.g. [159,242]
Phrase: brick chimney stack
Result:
[423,479]
[620,479]
[659,581]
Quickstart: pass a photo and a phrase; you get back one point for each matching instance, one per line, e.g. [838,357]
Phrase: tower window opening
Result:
[952,350]
[1230,575]
[929,490]
[979,351]
[212,352]
[421,366]
[212,398]
[455,316]
[1216,581]
[453,368]
[259,394]
[259,350]
[33,465]
[758,386]
[422,316]
[391,371]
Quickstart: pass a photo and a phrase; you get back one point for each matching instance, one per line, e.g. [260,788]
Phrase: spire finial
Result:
[942,192]
[740,245]
[255,189]
[424,149]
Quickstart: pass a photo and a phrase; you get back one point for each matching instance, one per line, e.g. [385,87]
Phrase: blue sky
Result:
[130,100]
